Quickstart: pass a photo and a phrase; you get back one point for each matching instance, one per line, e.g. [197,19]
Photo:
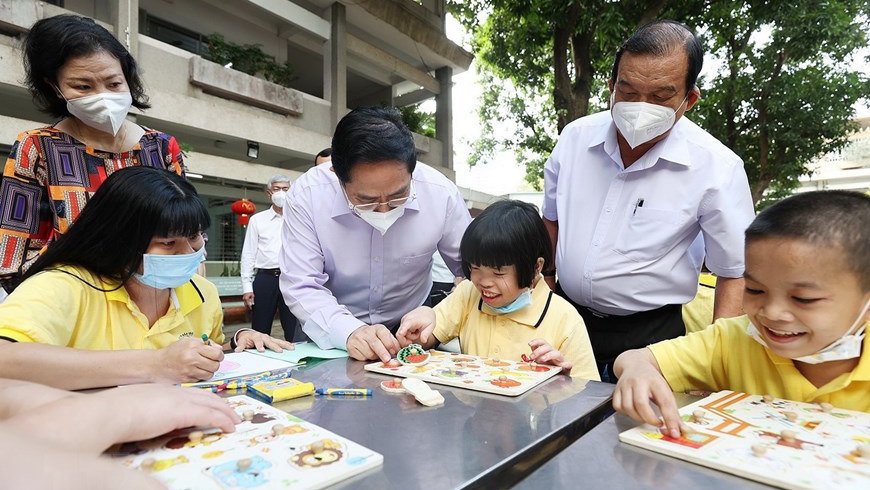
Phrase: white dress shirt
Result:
[338,273]
[625,235]
[261,247]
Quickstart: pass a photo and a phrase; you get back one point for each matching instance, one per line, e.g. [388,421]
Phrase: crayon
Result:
[344,391]
[242,381]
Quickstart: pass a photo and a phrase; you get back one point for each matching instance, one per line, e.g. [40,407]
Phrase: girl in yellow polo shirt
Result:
[807,303]
[505,310]
[115,300]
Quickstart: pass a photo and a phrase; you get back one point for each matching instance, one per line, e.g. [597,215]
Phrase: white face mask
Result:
[382,221]
[639,122]
[104,111]
[846,347]
[278,198]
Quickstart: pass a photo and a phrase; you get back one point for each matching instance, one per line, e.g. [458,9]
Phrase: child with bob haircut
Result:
[806,300]
[505,308]
[116,300]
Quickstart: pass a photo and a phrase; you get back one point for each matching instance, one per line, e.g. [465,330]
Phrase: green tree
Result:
[785,93]
[417,120]
[783,97]
[543,63]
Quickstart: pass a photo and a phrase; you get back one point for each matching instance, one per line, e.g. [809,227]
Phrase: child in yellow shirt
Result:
[505,310]
[806,300]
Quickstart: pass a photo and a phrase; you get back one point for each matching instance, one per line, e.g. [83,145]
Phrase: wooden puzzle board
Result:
[285,460]
[473,373]
[824,455]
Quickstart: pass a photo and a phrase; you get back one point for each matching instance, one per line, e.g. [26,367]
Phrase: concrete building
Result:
[239,129]
[847,169]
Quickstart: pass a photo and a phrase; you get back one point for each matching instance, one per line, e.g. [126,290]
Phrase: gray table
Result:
[474,440]
[599,460]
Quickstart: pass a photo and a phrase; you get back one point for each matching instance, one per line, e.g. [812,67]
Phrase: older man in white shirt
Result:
[628,192]
[259,264]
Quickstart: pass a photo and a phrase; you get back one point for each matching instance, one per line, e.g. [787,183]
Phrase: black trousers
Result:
[612,335]
[267,299]
[439,291]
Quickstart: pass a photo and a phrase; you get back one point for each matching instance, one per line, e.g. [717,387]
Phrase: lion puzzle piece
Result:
[422,392]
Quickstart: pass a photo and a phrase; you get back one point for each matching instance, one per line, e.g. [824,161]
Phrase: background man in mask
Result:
[636,198]
[359,235]
[260,252]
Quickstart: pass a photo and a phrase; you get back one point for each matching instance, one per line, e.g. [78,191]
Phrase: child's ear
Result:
[539,265]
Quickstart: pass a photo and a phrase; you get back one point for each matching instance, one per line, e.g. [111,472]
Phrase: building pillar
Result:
[444,115]
[335,64]
[124,15]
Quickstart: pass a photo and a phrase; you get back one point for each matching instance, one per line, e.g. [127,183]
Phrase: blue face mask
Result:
[522,301]
[169,271]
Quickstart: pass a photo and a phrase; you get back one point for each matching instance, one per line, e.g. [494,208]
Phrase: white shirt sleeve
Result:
[249,256]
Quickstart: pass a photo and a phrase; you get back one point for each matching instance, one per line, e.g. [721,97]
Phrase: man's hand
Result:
[371,342]
[248,299]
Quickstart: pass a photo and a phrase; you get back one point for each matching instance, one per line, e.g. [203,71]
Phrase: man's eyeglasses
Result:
[392,203]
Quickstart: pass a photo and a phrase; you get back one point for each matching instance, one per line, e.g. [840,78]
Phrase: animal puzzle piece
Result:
[317,454]
[242,473]
[422,392]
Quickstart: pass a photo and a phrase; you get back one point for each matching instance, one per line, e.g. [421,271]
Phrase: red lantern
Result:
[244,208]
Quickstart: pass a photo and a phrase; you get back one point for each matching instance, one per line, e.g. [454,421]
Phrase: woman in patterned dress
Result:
[78,72]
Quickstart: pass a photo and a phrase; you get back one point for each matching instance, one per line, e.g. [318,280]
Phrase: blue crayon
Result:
[344,391]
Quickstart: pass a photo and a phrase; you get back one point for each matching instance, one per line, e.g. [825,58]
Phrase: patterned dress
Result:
[49,177]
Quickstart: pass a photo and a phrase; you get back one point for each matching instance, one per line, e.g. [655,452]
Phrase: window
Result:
[175,35]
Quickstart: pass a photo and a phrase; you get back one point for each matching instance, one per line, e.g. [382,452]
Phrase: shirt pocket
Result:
[650,233]
[416,259]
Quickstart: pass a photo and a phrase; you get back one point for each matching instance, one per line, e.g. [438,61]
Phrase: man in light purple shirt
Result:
[359,235]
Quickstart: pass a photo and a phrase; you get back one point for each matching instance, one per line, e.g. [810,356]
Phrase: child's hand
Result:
[544,353]
[187,360]
[416,328]
[148,410]
[641,382]
[93,422]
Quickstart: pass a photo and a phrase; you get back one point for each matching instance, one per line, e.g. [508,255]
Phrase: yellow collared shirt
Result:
[54,307]
[723,357]
[506,336]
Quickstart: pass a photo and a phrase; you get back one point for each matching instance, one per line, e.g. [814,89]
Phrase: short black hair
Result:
[371,135]
[660,38]
[826,218]
[507,233]
[53,41]
[326,152]
[116,226]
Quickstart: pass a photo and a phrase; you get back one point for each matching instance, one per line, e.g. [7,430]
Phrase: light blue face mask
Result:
[522,301]
[169,271]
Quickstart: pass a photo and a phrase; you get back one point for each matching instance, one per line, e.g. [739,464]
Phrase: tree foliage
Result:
[783,96]
[785,92]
